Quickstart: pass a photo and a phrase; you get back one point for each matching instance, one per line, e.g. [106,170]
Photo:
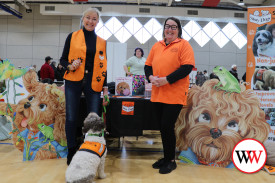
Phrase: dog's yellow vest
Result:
[93,147]
[78,50]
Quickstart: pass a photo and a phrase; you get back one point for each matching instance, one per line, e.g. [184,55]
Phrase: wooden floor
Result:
[129,163]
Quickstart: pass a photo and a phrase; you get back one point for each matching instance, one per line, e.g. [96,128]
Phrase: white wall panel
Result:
[46,25]
[46,39]
[40,52]
[20,25]
[115,58]
[4,24]
[3,38]
[17,38]
[19,52]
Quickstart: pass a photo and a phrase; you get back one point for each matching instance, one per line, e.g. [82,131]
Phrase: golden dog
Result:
[123,88]
[213,122]
[264,79]
[44,104]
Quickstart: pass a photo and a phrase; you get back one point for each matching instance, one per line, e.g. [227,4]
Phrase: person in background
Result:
[46,70]
[136,64]
[53,65]
[167,67]
[200,78]
[233,71]
[244,77]
[2,83]
[60,71]
[205,75]
[84,57]
[213,76]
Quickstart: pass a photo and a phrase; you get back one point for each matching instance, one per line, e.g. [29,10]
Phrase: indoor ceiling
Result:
[223,4]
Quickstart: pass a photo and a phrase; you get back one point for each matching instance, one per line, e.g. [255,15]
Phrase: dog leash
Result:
[104,107]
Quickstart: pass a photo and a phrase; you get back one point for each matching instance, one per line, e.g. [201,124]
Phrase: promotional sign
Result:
[36,114]
[260,70]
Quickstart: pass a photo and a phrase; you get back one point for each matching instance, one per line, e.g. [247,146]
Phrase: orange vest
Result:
[78,51]
[93,147]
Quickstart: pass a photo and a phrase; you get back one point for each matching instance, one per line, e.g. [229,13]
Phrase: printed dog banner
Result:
[261,67]
[218,115]
[37,118]
[124,86]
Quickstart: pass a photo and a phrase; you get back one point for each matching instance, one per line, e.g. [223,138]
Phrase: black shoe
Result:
[168,167]
[158,163]
[71,152]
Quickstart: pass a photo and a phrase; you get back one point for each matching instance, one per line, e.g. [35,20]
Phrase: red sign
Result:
[211,3]
[128,108]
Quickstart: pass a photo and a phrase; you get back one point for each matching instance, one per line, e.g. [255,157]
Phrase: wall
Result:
[29,40]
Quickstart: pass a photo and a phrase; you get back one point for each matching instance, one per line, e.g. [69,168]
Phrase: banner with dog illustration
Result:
[36,112]
[260,70]
[218,115]
[124,86]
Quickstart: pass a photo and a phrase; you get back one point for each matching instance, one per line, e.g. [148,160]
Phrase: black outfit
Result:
[59,74]
[54,69]
[235,74]
[166,116]
[244,77]
[213,76]
[74,89]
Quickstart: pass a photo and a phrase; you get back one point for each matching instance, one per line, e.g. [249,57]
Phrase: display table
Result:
[124,120]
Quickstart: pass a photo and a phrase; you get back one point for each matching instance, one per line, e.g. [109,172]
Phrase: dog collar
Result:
[97,134]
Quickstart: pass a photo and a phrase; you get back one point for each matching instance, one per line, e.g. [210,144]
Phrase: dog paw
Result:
[102,176]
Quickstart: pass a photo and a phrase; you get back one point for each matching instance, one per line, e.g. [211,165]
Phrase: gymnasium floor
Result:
[129,161]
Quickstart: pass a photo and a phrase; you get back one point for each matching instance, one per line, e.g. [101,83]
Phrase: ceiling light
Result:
[177,0]
[241,3]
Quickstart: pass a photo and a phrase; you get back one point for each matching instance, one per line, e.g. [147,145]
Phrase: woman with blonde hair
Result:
[84,57]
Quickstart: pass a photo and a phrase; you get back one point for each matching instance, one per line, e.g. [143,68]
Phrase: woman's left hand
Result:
[161,81]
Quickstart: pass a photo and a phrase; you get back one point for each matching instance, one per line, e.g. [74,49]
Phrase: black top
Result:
[90,39]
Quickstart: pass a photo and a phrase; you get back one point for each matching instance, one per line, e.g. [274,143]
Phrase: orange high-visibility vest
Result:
[93,147]
[78,50]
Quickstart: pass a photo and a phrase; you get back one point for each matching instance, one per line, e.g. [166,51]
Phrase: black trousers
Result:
[166,116]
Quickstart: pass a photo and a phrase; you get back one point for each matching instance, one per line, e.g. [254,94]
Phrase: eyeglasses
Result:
[173,27]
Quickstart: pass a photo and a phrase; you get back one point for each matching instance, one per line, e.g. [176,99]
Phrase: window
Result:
[153,28]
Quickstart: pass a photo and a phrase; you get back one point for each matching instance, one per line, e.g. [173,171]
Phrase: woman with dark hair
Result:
[167,67]
[136,64]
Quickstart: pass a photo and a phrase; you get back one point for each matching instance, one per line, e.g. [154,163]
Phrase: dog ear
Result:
[30,80]
[59,127]
[255,46]
[255,125]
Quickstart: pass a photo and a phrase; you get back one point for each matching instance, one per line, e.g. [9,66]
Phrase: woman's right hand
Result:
[129,73]
[153,80]
[74,65]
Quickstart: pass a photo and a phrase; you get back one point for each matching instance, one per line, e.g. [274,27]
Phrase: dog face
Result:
[263,39]
[213,122]
[93,122]
[123,88]
[263,44]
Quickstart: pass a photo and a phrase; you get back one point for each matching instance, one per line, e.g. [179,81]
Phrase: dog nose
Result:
[215,133]
[27,105]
